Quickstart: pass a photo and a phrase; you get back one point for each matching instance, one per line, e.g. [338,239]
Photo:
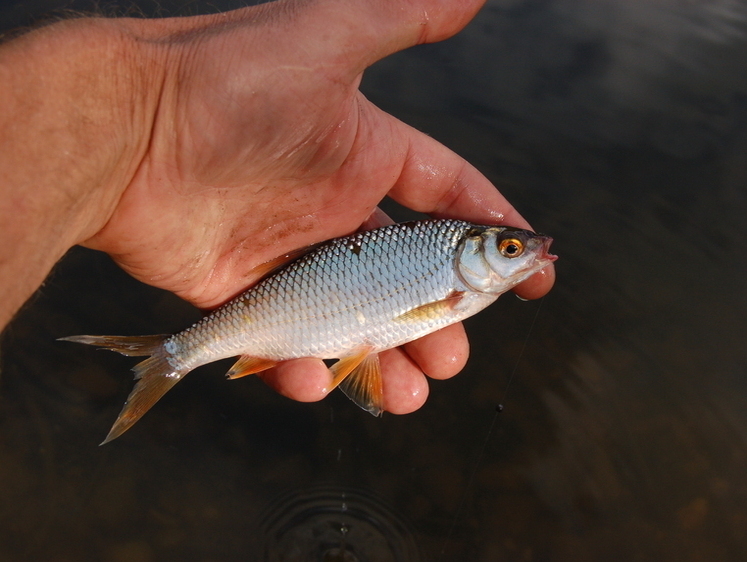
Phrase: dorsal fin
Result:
[264,270]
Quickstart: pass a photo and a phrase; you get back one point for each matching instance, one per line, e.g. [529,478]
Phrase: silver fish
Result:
[348,299]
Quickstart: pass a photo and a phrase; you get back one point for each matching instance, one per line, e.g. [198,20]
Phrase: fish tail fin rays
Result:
[359,376]
[155,375]
[132,346]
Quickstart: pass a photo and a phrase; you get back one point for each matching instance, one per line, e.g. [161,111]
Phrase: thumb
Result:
[358,33]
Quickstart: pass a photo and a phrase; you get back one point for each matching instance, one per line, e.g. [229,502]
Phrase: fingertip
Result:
[538,285]
[304,380]
[442,354]
[405,386]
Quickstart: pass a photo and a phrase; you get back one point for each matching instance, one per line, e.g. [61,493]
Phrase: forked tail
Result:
[154,376]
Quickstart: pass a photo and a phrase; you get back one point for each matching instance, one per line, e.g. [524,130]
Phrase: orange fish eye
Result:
[511,247]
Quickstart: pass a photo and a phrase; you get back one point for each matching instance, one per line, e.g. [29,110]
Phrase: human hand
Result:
[262,143]
[259,142]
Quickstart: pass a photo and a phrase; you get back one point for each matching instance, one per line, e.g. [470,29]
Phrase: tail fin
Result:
[132,346]
[155,376]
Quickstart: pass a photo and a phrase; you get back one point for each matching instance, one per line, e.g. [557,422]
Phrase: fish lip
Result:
[546,255]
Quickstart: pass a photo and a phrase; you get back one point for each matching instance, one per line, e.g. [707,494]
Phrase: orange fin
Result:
[248,365]
[132,346]
[347,364]
[431,310]
[155,376]
[266,269]
[364,385]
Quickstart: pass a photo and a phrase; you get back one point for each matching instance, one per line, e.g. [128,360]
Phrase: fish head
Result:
[494,259]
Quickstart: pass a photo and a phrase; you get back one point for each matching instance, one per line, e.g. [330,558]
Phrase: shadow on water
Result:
[618,128]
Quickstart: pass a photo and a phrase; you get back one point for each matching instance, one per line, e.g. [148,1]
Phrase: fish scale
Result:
[345,299]
[314,306]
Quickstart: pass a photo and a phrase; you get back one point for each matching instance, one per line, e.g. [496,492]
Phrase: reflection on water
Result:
[616,127]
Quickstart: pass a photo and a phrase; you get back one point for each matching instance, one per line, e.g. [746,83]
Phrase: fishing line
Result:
[488,435]
[499,408]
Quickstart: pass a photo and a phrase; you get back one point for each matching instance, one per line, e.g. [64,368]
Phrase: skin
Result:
[192,150]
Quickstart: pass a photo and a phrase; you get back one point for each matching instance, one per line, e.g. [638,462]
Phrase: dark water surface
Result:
[620,128]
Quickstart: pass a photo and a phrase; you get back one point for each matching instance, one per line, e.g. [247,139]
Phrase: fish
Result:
[346,299]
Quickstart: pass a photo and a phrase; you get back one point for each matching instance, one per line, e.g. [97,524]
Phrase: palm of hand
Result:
[234,178]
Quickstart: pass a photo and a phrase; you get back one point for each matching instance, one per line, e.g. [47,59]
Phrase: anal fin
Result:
[347,365]
[248,365]
[359,376]
[364,385]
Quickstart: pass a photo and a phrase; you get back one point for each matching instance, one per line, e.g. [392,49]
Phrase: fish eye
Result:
[511,247]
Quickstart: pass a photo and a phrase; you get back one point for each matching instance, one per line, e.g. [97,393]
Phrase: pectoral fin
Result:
[248,365]
[432,310]
[364,386]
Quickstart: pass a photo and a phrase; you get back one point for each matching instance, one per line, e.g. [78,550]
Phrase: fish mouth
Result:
[545,251]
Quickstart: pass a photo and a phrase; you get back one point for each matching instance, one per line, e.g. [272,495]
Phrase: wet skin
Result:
[238,137]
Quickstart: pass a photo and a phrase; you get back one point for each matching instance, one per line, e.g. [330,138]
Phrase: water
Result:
[616,127]
[334,525]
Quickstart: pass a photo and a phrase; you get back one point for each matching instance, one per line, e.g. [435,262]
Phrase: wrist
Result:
[78,101]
